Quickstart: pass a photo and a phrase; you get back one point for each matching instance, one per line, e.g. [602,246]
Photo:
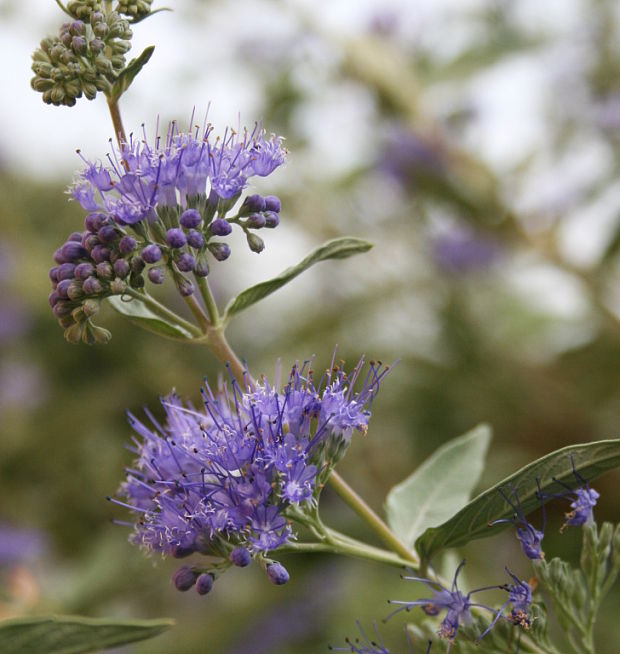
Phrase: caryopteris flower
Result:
[230,479]
[455,603]
[529,537]
[159,210]
[584,500]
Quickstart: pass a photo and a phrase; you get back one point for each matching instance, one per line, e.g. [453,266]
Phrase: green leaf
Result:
[128,74]
[339,248]
[472,521]
[139,314]
[439,487]
[73,634]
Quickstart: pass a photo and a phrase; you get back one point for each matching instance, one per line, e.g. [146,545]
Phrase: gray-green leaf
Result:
[73,634]
[128,74]
[339,248]
[439,487]
[472,521]
[141,315]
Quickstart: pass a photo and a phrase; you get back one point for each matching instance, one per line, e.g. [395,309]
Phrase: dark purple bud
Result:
[53,298]
[104,270]
[184,578]
[185,262]
[256,243]
[58,258]
[62,288]
[202,267]
[92,286]
[190,218]
[151,254]
[136,281]
[89,242]
[277,574]
[256,220]
[157,275]
[186,288]
[65,271]
[72,251]
[121,268]
[253,203]
[127,245]
[181,552]
[204,583]
[272,203]
[195,239]
[74,292]
[240,556]
[107,234]
[271,219]
[220,251]
[137,265]
[220,227]
[62,308]
[95,221]
[100,253]
[176,238]
[54,274]
[83,271]
[75,236]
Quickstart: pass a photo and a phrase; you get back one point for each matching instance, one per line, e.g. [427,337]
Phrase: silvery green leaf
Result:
[472,521]
[141,315]
[128,74]
[339,248]
[439,487]
[73,634]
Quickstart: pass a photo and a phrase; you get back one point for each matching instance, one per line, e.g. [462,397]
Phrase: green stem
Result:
[119,130]
[199,314]
[216,340]
[207,296]
[162,311]
[372,519]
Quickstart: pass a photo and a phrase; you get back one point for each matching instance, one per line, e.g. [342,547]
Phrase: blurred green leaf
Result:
[471,522]
[439,487]
[141,315]
[339,248]
[128,74]
[73,634]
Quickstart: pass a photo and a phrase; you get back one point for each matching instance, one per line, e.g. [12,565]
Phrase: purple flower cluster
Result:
[164,207]
[228,480]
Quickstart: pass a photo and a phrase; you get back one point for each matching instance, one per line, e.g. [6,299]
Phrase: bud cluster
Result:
[86,57]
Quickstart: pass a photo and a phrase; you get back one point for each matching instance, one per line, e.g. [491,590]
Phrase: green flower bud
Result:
[73,334]
[90,308]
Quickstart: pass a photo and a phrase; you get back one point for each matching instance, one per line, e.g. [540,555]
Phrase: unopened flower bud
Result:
[272,203]
[52,298]
[65,271]
[95,221]
[62,288]
[90,308]
[185,262]
[220,251]
[100,253]
[255,221]
[73,334]
[186,288]
[202,267]
[176,238]
[121,268]
[84,271]
[190,218]
[195,239]
[220,227]
[271,219]
[136,280]
[252,204]
[93,334]
[118,286]
[151,254]
[127,245]
[184,578]
[256,243]
[90,242]
[278,574]
[79,45]
[204,583]
[54,274]
[157,275]
[92,286]
[137,265]
[74,292]
[72,251]
[107,234]
[180,552]
[105,270]
[240,557]
[62,308]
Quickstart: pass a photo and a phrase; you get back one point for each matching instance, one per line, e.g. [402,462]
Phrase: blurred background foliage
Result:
[476,143]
